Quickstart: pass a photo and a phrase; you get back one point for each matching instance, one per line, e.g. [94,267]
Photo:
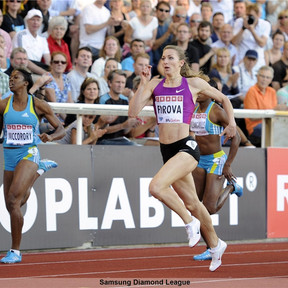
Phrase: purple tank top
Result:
[173,104]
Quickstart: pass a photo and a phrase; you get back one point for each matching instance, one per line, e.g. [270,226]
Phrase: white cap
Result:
[33,12]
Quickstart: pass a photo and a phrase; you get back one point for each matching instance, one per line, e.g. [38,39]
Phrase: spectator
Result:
[111,49]
[78,74]
[183,40]
[110,64]
[89,94]
[251,33]
[142,61]
[164,31]
[35,45]
[226,34]
[205,52]
[281,70]
[275,53]
[194,22]
[239,11]
[143,27]
[95,20]
[57,29]
[137,46]
[282,16]
[222,70]
[59,89]
[118,31]
[225,7]
[90,132]
[206,11]
[7,38]
[135,9]
[43,6]
[217,23]
[179,16]
[12,20]
[122,125]
[186,5]
[247,73]
[274,7]
[260,96]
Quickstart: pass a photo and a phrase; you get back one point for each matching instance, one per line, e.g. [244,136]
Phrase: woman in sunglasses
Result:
[59,89]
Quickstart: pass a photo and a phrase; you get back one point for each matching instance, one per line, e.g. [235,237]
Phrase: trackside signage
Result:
[99,195]
[277,192]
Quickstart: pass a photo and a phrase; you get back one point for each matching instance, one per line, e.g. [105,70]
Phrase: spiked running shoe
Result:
[47,164]
[238,190]
[11,258]
[193,232]
[216,254]
[204,256]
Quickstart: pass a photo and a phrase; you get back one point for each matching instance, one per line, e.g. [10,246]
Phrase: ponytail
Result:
[187,72]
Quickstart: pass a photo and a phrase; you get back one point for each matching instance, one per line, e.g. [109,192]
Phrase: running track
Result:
[244,265]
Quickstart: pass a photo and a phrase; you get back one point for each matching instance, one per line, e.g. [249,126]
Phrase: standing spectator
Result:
[57,29]
[275,53]
[194,22]
[7,38]
[251,32]
[118,129]
[13,21]
[118,31]
[78,74]
[95,20]
[35,45]
[111,49]
[239,11]
[260,96]
[143,27]
[281,70]
[226,34]
[183,41]
[205,52]
[217,23]
[206,11]
[137,46]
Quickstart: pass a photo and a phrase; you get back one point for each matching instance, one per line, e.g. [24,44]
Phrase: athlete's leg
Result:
[199,175]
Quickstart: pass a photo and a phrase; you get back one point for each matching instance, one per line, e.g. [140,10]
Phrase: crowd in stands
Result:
[93,51]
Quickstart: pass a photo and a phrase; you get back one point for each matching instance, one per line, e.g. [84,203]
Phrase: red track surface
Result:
[245,265]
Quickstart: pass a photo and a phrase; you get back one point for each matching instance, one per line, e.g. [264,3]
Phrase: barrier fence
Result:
[268,116]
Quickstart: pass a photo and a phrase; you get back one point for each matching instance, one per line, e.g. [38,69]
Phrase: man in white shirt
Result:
[35,45]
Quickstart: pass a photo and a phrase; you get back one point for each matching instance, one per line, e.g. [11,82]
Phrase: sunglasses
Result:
[164,10]
[195,21]
[282,17]
[180,16]
[58,62]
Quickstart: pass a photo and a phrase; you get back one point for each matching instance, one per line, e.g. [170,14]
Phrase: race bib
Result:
[19,134]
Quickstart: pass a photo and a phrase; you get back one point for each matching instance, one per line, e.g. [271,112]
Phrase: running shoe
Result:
[47,164]
[217,255]
[238,190]
[204,256]
[11,258]
[193,232]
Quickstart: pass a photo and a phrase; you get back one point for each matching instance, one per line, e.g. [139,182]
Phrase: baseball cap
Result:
[33,12]
[251,54]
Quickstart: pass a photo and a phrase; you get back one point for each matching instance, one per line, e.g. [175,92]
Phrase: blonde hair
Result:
[186,70]
[226,51]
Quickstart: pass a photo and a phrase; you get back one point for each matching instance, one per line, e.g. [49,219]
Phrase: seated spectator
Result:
[260,96]
[57,29]
[6,37]
[89,94]
[35,45]
[136,46]
[275,53]
[120,127]
[206,11]
[111,49]
[110,65]
[77,75]
[59,89]
[222,70]
[281,70]
[12,20]
[90,132]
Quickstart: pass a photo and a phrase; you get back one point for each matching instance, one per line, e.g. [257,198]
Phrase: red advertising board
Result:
[277,192]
